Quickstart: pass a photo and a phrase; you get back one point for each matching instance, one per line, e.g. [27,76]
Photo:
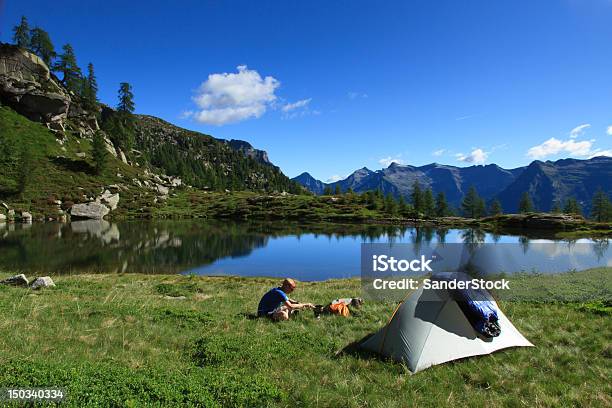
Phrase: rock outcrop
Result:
[27,86]
[109,199]
[93,210]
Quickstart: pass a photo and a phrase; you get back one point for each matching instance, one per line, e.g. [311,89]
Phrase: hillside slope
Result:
[204,161]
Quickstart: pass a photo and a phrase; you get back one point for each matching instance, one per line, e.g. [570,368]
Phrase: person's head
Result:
[288,285]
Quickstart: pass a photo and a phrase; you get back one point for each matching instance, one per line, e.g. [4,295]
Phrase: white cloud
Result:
[600,152]
[555,146]
[334,178]
[296,105]
[438,153]
[298,109]
[386,161]
[233,97]
[476,156]
[355,95]
[579,130]
[186,114]
[609,131]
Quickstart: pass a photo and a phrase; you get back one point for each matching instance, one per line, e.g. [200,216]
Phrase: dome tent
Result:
[429,328]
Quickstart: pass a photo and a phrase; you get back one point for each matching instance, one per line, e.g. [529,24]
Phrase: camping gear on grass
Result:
[339,307]
[429,328]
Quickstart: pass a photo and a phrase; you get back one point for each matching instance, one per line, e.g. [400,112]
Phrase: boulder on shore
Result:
[93,210]
[42,282]
[26,217]
[17,280]
[109,199]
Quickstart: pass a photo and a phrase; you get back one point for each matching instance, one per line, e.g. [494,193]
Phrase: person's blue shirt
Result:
[271,300]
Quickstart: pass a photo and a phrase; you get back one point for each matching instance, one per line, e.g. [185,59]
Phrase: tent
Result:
[429,328]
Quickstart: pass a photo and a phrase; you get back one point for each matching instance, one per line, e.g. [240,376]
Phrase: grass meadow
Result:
[151,340]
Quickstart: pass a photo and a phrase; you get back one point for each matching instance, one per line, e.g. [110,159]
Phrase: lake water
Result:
[305,252]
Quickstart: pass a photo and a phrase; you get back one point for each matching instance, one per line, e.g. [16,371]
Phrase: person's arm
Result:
[297,306]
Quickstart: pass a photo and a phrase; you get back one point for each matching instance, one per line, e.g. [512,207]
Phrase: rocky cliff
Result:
[27,86]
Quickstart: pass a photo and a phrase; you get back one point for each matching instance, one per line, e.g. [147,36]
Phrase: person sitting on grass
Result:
[277,305]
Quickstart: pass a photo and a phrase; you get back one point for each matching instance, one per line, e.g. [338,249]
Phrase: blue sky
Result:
[332,86]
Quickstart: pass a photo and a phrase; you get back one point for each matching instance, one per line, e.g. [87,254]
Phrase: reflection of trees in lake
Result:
[173,246]
[524,243]
[130,246]
[600,247]
[159,246]
[473,236]
[441,235]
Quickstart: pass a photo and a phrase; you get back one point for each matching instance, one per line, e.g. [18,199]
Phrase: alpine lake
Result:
[307,252]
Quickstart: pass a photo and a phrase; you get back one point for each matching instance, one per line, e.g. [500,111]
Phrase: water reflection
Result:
[309,252]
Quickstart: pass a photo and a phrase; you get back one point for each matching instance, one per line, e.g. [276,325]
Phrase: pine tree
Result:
[67,65]
[495,208]
[429,206]
[481,208]
[99,153]
[337,190]
[472,205]
[601,208]
[126,98]
[401,206]
[441,205]
[327,191]
[417,197]
[41,45]
[90,88]
[21,33]
[525,204]
[390,204]
[572,207]
[350,191]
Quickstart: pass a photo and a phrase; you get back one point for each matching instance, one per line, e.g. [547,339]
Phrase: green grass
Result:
[120,340]
[57,171]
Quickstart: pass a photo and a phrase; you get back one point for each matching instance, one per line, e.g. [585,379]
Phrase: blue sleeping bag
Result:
[480,311]
[477,305]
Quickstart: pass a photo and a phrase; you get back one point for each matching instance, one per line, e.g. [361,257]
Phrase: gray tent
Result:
[429,328]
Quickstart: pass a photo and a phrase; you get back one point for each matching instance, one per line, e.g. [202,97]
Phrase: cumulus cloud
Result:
[438,153]
[232,97]
[555,146]
[476,156]
[334,178]
[296,105]
[579,130]
[386,161]
[609,131]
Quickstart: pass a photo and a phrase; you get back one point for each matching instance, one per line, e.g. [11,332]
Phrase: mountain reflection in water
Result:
[307,252]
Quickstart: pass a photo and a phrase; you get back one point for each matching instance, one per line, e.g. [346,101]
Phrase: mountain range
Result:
[546,182]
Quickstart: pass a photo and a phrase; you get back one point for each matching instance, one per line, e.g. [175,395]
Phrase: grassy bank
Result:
[133,340]
[348,208]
